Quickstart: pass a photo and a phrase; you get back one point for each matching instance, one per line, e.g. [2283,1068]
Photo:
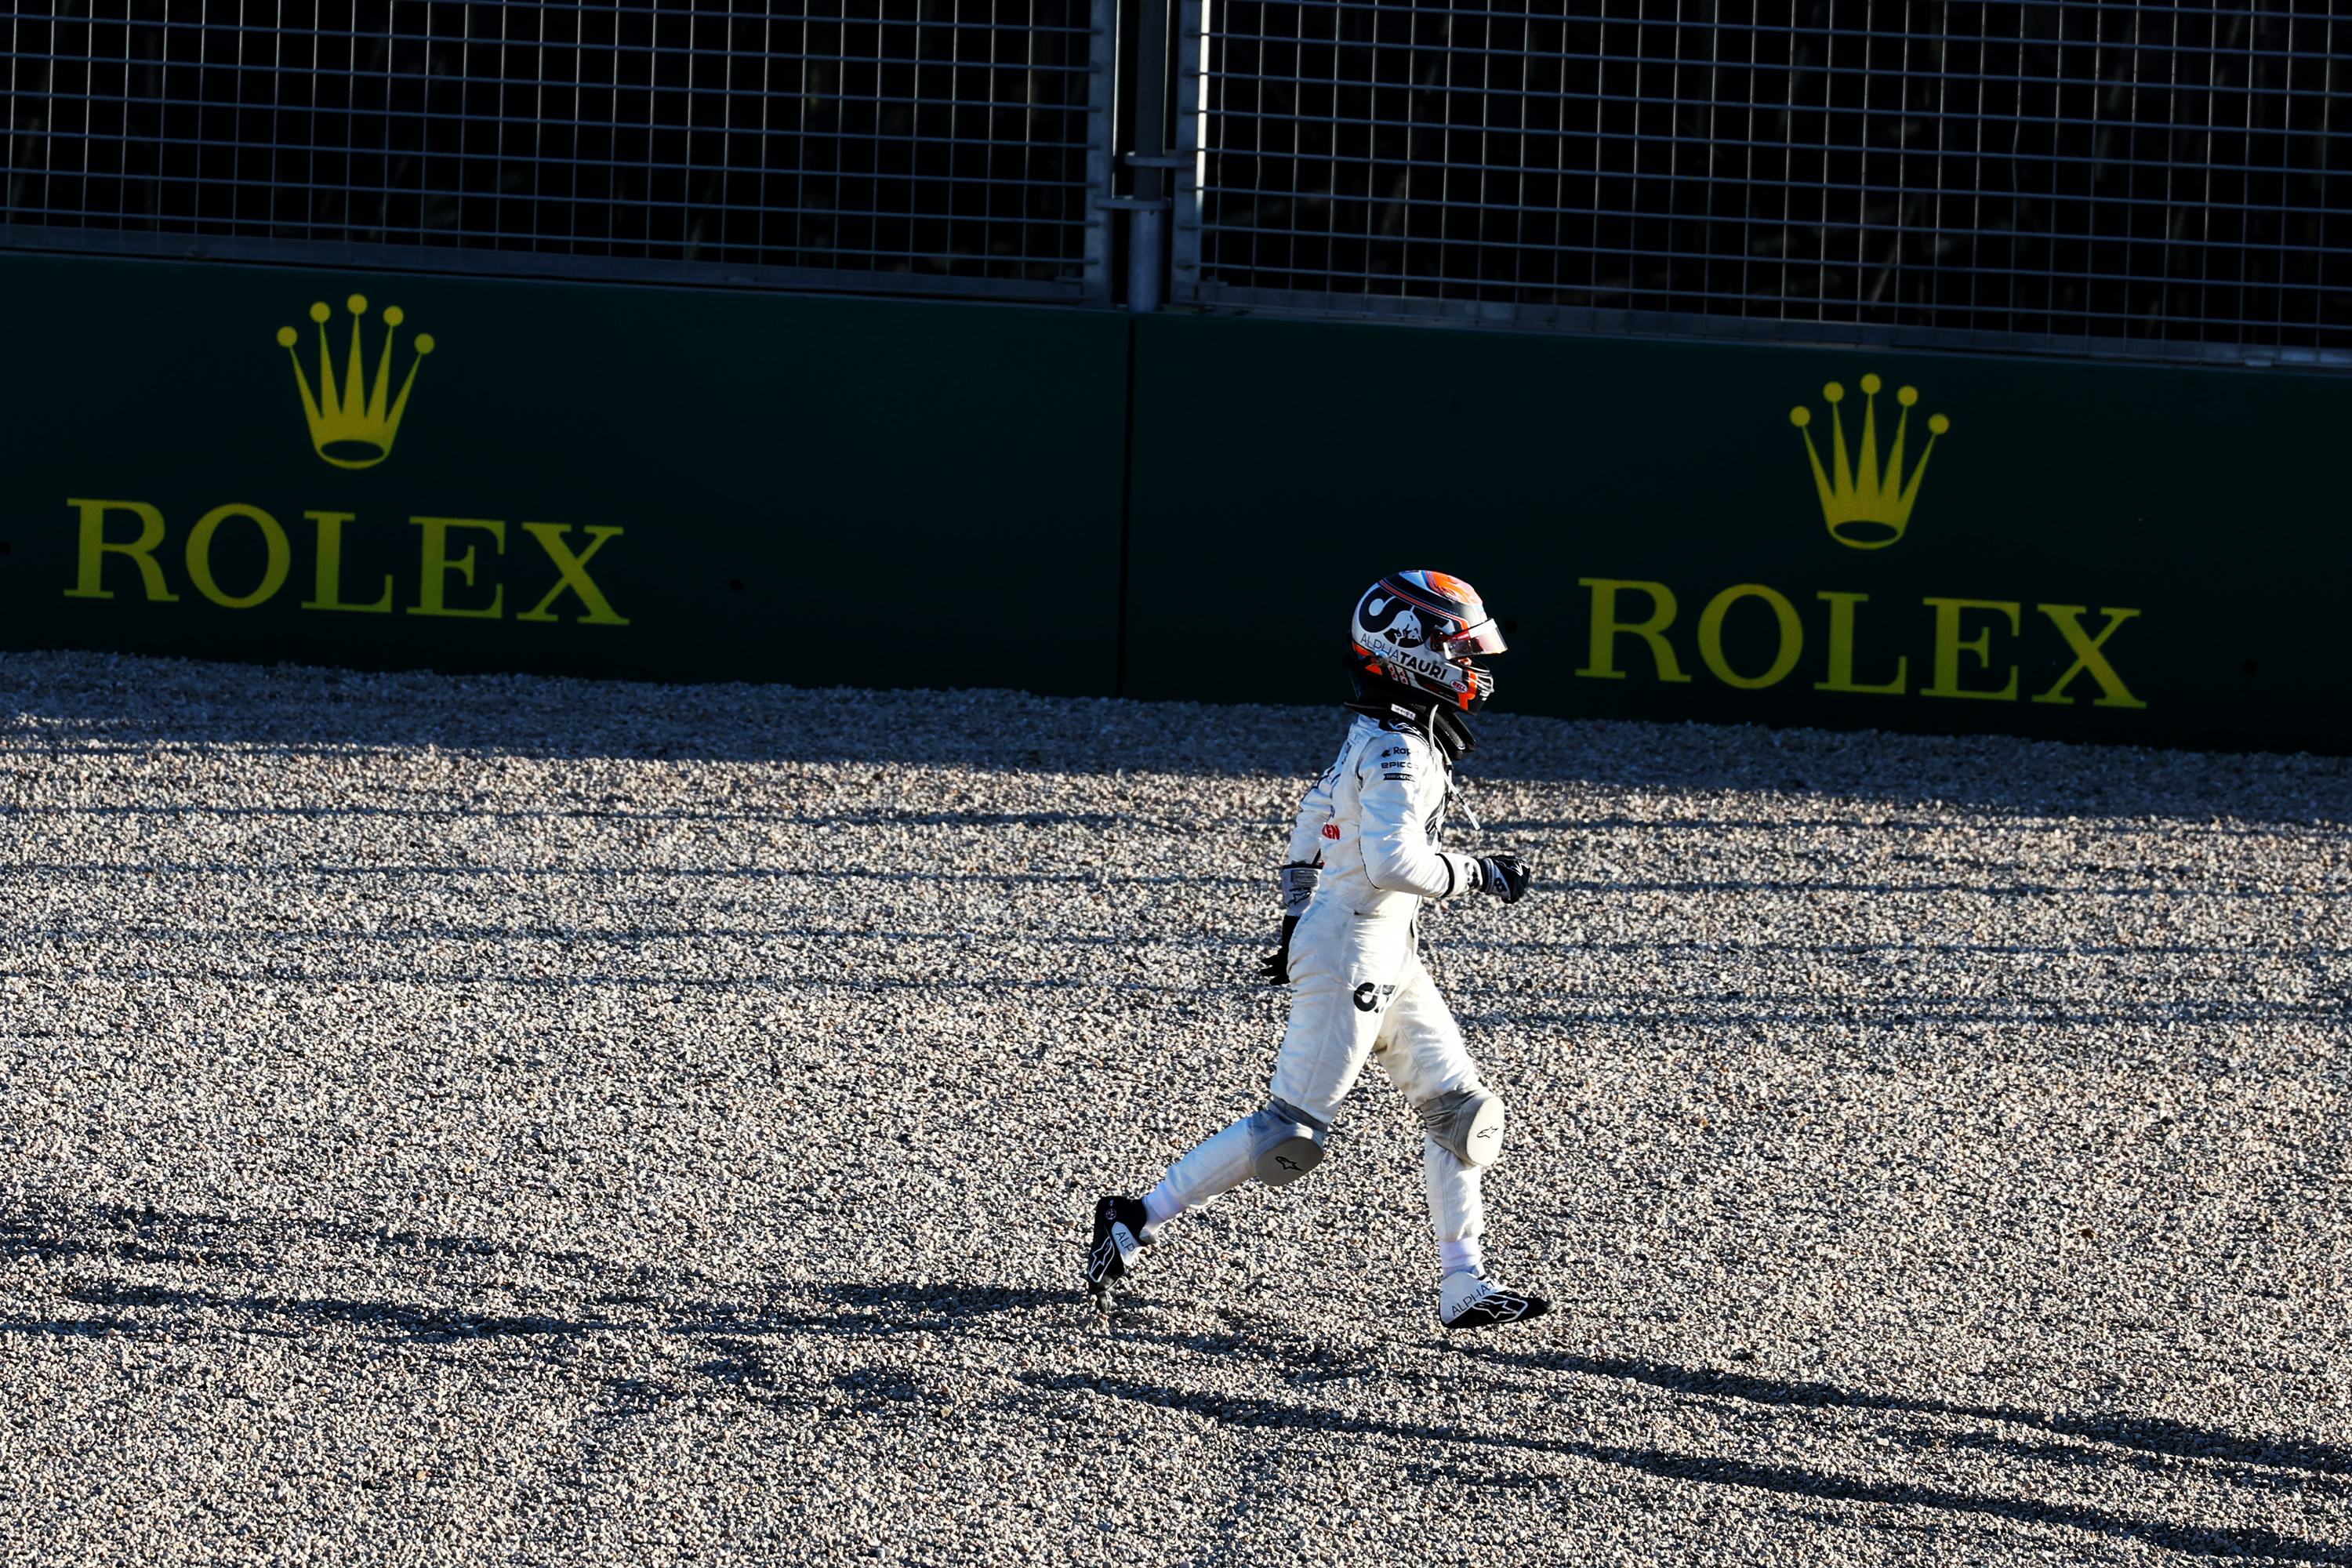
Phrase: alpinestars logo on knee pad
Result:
[1285,1143]
[1371,998]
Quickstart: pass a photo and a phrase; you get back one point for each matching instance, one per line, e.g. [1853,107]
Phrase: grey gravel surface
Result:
[529,1120]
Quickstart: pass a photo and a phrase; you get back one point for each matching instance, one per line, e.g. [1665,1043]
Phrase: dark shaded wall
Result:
[689,485]
[2195,511]
[818,491]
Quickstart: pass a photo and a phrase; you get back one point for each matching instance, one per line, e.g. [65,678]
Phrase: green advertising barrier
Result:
[401,471]
[1755,533]
[395,471]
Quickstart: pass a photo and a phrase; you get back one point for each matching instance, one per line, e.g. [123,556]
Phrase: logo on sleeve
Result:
[1330,831]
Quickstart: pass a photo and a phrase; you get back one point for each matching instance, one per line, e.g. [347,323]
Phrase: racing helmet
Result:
[1422,629]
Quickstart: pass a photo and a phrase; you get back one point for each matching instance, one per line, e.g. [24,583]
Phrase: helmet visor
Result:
[1483,638]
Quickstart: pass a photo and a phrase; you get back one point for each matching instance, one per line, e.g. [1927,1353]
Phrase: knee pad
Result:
[1467,1124]
[1285,1143]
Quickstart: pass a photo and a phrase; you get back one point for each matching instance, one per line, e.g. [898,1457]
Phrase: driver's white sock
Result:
[1465,1256]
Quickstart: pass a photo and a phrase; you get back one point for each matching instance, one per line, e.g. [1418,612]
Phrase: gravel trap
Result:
[523,1121]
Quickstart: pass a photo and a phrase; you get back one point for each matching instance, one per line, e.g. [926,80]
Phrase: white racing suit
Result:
[1359,990]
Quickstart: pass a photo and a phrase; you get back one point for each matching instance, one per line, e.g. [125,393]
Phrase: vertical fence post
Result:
[1101,77]
[1147,235]
[1191,142]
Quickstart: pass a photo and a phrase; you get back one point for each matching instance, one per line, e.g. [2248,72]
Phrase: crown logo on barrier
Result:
[1859,500]
[350,425]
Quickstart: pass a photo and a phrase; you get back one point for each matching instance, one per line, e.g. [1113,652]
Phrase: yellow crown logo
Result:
[1858,501]
[350,426]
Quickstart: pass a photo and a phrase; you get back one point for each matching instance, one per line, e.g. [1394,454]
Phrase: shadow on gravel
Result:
[392,1319]
[950,1298]
[1789,1479]
[748,1366]
[115,1234]
[2150,1434]
[744,1360]
[945,1308]
[123,700]
[900,1309]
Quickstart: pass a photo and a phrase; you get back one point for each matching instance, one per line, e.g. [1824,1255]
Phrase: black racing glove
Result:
[1299,880]
[1503,876]
[1275,967]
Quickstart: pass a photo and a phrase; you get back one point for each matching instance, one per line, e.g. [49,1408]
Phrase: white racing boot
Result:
[1467,1300]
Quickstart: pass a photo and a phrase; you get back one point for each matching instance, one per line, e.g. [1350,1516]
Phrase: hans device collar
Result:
[1402,707]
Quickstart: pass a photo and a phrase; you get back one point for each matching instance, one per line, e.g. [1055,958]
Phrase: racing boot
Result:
[1118,1238]
[1467,1299]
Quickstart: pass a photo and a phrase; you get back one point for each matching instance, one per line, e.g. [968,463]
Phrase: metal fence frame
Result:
[1195,141]
[1091,284]
[1159,186]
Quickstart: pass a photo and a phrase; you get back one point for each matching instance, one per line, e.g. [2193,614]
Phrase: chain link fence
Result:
[2082,176]
[938,145]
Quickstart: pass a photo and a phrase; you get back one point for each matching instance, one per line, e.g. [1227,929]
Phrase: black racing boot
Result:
[1467,1300]
[1119,1237]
